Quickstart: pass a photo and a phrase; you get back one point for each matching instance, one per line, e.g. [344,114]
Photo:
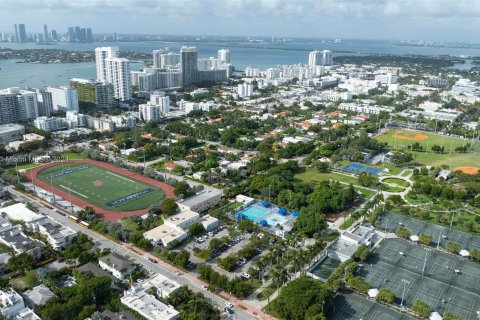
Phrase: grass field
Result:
[73,156]
[452,160]
[402,138]
[398,182]
[100,187]
[313,175]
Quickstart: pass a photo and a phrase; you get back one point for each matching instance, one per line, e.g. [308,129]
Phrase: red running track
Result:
[105,214]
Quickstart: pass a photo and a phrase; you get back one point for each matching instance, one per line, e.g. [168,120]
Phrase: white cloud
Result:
[342,17]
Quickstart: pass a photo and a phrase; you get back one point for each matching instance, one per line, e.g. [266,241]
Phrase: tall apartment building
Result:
[116,71]
[224,55]
[64,98]
[314,58]
[118,74]
[101,54]
[155,109]
[89,91]
[163,58]
[188,65]
[327,58]
[245,90]
[17,105]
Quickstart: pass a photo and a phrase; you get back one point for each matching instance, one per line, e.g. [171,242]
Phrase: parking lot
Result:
[235,244]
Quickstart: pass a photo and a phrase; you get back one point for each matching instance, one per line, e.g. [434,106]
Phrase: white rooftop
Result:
[19,211]
[148,306]
[164,285]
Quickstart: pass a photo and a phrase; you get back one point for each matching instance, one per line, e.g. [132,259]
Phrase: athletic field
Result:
[102,186]
[400,138]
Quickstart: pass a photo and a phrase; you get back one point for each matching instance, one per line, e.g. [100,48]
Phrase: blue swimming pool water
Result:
[255,213]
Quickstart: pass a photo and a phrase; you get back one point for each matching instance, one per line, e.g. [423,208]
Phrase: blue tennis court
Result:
[357,168]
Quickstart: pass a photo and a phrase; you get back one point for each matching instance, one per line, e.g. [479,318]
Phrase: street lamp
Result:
[405,283]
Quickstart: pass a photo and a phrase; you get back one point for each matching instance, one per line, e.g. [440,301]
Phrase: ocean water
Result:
[256,54]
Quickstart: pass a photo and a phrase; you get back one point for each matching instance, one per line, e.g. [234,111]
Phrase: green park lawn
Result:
[398,182]
[315,176]
[99,186]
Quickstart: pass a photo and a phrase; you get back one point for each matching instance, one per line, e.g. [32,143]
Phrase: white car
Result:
[205,288]
[228,304]
[245,275]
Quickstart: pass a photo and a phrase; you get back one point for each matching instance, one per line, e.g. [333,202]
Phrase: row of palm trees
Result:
[287,258]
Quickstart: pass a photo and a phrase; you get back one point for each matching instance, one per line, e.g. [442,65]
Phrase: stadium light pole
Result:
[53,192]
[31,174]
[70,195]
[405,282]
[439,237]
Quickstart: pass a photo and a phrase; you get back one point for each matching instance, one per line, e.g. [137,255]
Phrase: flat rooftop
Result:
[164,285]
[201,197]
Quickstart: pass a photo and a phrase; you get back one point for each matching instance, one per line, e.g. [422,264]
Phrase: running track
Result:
[105,214]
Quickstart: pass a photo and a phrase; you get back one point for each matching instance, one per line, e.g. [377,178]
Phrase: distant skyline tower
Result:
[46,38]
[22,33]
[89,35]
[71,34]
[77,33]
[188,65]
[53,35]
[17,38]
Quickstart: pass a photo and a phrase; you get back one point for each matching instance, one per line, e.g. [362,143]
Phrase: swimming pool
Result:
[255,213]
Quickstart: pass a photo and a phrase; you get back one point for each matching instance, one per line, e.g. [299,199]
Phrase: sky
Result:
[430,20]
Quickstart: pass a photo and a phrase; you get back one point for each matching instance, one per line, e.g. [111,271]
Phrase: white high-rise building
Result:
[101,54]
[163,58]
[64,98]
[224,55]
[118,74]
[327,58]
[314,58]
[245,90]
[159,99]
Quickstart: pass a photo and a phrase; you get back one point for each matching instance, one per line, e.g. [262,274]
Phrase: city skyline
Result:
[386,19]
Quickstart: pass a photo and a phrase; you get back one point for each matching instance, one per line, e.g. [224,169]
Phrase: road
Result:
[245,313]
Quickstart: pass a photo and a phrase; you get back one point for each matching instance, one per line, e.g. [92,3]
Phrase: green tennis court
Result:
[445,282]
